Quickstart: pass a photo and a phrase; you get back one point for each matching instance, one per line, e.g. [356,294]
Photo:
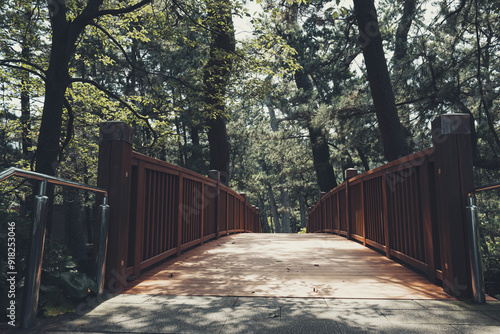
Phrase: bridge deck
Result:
[285,265]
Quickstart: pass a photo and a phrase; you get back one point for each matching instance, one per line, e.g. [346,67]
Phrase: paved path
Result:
[286,265]
[252,284]
[191,314]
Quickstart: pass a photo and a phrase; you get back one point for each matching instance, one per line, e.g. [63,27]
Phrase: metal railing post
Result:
[34,268]
[102,244]
[475,253]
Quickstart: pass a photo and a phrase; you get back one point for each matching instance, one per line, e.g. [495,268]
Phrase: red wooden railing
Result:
[412,209]
[384,208]
[173,209]
[158,210]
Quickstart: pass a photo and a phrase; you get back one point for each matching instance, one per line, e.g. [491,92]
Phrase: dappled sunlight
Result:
[285,265]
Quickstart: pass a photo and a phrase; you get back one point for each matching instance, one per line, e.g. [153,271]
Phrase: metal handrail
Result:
[474,249]
[13,171]
[34,267]
[490,186]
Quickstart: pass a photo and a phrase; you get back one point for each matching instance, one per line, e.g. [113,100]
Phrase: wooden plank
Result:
[363,211]
[358,238]
[155,259]
[410,261]
[385,214]
[180,217]
[139,219]
[212,269]
[376,245]
[191,244]
[203,208]
[425,198]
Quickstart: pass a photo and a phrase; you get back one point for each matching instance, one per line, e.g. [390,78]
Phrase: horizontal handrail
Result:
[490,186]
[187,173]
[13,171]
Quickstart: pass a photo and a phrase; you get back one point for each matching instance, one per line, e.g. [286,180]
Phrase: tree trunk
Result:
[321,151]
[321,159]
[64,37]
[25,107]
[216,78]
[391,130]
[285,202]
[401,44]
[274,209]
[303,211]
[263,217]
[219,147]
[51,126]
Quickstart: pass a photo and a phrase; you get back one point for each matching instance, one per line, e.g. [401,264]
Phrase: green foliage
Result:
[62,285]
[9,214]
[153,62]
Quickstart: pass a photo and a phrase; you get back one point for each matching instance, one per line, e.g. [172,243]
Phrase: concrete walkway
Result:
[191,314]
[255,283]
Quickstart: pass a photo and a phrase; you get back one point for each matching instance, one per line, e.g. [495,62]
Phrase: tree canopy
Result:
[281,95]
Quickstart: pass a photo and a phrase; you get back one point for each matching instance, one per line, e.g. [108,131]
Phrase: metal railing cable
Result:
[474,242]
[34,266]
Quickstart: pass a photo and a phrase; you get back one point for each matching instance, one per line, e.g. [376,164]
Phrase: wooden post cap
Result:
[455,124]
[115,130]
[350,173]
[214,174]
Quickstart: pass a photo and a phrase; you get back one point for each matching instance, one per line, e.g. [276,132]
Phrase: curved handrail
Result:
[13,171]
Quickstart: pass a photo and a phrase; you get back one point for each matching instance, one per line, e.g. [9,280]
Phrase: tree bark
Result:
[263,217]
[391,130]
[65,34]
[321,151]
[401,45]
[274,209]
[216,78]
[285,202]
[303,211]
[25,107]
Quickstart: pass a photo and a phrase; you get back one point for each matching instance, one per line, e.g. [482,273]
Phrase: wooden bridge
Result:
[411,210]
[285,265]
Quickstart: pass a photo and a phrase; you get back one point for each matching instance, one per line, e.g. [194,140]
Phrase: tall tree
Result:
[216,78]
[66,31]
[370,39]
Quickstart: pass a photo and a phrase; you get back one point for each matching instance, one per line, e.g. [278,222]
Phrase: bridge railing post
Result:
[114,175]
[215,175]
[454,180]
[180,217]
[349,173]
